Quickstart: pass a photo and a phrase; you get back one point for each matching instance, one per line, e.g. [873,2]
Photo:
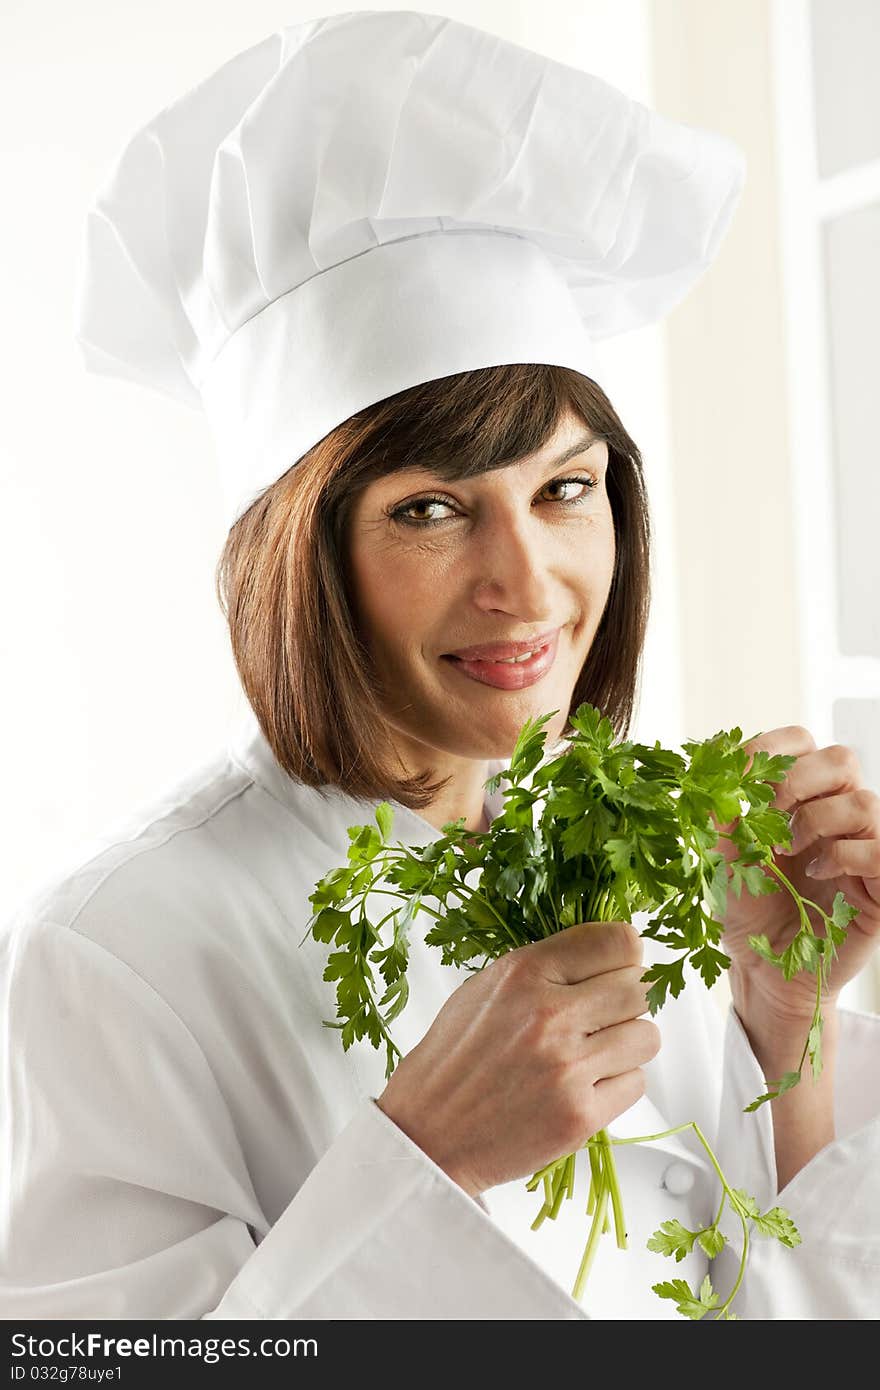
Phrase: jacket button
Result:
[678,1179]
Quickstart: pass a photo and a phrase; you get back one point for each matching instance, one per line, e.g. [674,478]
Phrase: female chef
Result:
[377,249]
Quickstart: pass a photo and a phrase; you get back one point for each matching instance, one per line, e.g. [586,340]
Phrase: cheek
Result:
[606,538]
[399,591]
[592,554]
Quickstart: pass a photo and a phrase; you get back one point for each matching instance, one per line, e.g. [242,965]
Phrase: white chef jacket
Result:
[182,1139]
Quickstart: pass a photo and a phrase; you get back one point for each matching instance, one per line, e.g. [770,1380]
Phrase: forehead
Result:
[571,435]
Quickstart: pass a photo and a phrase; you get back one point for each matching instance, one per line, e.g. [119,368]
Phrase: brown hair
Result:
[283,585]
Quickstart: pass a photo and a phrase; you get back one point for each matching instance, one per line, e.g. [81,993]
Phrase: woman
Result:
[186,1140]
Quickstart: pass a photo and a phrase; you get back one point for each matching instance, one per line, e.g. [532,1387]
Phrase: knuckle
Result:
[591,1122]
[631,942]
[766,743]
[571,1103]
[575,1109]
[640,1082]
[637,987]
[540,1030]
[576,1129]
[581,1116]
[469,985]
[651,1037]
[633,1085]
[845,760]
[802,735]
[866,800]
[508,970]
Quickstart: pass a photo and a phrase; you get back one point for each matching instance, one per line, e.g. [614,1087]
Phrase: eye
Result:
[400,513]
[589,484]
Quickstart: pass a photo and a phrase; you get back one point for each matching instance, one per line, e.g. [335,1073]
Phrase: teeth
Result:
[508,660]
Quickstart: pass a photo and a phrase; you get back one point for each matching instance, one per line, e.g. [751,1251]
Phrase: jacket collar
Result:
[249,749]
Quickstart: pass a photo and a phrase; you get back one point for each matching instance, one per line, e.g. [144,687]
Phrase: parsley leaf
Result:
[689,1304]
[673,1239]
[777,1222]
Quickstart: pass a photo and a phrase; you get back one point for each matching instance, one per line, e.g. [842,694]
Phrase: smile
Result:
[512,673]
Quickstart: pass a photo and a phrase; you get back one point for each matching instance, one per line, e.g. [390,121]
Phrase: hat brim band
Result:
[402,313]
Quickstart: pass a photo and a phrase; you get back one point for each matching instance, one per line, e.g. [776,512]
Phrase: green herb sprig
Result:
[600,832]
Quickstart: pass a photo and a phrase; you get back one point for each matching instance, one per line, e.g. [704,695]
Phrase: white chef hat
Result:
[369,201]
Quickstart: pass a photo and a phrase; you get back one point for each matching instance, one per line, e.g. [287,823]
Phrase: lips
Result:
[504,651]
[508,675]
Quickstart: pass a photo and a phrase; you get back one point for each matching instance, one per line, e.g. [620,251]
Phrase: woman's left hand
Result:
[836,822]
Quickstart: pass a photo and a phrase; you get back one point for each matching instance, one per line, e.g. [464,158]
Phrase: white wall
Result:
[117,670]
[726,392]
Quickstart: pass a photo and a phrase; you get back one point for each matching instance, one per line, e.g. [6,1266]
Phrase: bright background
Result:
[750,404]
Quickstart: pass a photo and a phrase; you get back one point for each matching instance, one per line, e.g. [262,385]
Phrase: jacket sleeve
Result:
[834,1200]
[126,1195]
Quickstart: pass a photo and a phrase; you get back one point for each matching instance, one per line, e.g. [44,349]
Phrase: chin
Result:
[500,741]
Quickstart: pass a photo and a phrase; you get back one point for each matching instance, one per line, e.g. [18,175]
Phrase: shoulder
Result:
[140,851]
[200,896]
[102,922]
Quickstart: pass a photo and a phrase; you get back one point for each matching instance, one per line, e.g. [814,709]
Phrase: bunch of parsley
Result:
[600,832]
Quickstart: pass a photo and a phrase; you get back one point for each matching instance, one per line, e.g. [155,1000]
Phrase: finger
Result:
[791,741]
[621,1047]
[616,1094]
[586,949]
[614,997]
[859,858]
[855,813]
[822,774]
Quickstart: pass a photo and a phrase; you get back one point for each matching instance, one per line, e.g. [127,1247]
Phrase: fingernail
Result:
[813,868]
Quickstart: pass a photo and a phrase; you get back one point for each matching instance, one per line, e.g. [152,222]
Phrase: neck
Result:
[461,799]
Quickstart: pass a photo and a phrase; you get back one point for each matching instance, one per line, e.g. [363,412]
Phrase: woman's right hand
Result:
[529,1057]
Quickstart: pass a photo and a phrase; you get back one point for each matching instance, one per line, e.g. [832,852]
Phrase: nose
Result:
[514,568]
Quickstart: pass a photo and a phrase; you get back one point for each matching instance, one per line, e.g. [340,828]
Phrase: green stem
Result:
[541,1217]
[461,888]
[558,1179]
[727,1193]
[475,893]
[551,1176]
[592,1244]
[465,892]
[561,1187]
[405,897]
[614,1190]
[548,930]
[802,904]
[802,912]
[571,1174]
[595,1178]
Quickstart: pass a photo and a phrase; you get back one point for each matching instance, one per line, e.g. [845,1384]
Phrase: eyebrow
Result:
[580,446]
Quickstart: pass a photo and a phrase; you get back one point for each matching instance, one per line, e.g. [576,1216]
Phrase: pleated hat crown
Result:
[367,201]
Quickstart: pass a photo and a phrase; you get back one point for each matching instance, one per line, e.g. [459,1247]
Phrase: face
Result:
[509,556]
